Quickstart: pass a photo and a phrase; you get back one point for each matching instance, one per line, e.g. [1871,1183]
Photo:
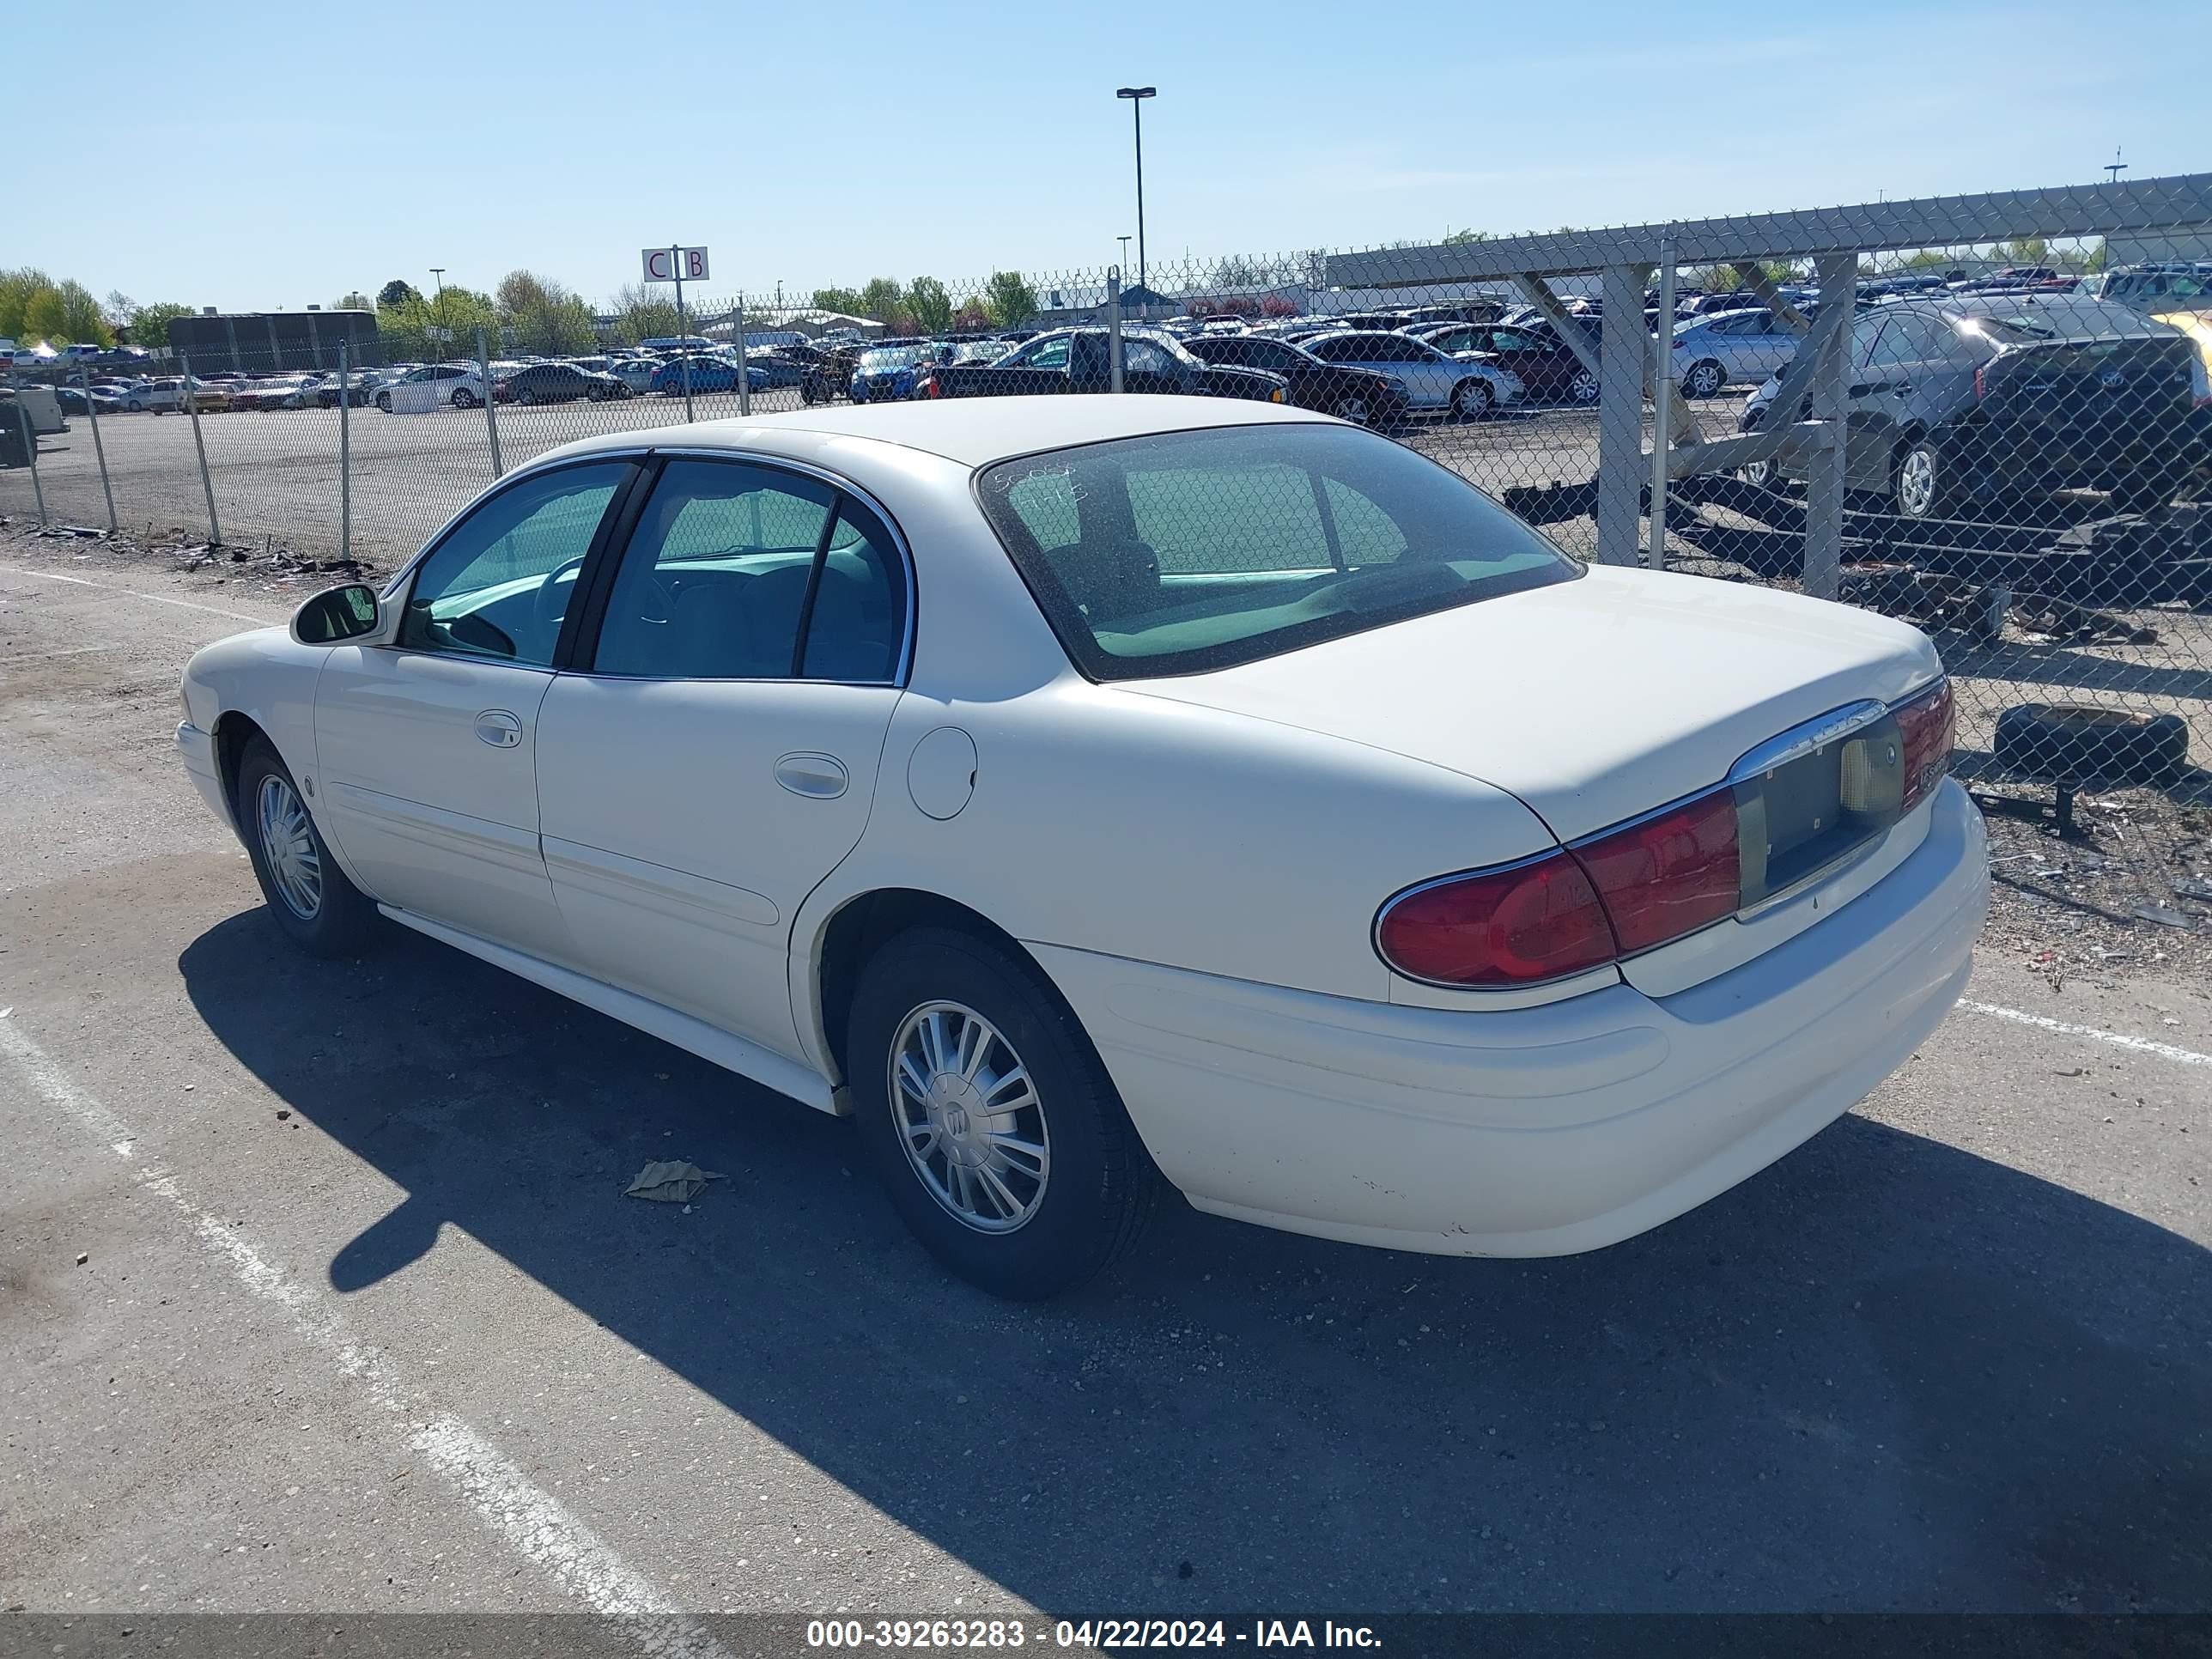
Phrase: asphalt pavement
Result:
[319,1291]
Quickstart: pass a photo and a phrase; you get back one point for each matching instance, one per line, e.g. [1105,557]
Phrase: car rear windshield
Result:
[1184,551]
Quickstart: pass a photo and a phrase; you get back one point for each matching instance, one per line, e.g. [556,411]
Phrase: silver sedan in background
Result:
[1467,385]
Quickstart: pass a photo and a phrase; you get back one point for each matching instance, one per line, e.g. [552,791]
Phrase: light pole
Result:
[1124,241]
[1136,96]
[2114,167]
[438,276]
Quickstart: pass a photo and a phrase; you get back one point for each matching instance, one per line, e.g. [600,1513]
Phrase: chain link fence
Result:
[1989,416]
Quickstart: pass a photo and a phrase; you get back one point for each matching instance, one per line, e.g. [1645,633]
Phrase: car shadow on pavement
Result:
[1886,1373]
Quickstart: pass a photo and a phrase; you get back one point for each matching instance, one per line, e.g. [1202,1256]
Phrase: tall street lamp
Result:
[1136,96]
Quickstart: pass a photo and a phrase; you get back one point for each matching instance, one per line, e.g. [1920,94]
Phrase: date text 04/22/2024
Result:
[1100,1633]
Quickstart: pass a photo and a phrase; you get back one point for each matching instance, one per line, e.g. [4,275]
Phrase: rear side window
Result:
[1181,552]
[742,572]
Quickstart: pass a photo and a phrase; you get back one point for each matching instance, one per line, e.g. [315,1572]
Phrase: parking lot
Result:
[319,1291]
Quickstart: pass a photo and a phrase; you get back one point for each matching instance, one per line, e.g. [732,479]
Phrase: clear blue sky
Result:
[256,155]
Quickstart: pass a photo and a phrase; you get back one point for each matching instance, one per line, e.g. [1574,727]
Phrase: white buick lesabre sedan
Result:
[1082,792]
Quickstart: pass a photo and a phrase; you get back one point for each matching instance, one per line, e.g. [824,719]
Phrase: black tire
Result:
[340,922]
[1583,388]
[383,402]
[1703,379]
[2077,743]
[1099,1186]
[1355,409]
[464,399]
[1471,399]
[1922,484]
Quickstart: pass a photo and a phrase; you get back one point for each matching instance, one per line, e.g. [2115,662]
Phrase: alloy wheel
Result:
[288,847]
[968,1117]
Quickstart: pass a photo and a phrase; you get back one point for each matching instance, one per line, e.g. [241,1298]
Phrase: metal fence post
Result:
[99,449]
[1113,328]
[745,374]
[1663,388]
[1622,354]
[1838,275]
[346,453]
[199,443]
[30,445]
[491,416]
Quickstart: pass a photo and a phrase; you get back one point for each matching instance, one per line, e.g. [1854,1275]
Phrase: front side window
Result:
[1185,551]
[743,572]
[499,583]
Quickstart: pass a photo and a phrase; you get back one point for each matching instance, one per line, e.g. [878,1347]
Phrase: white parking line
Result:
[534,1523]
[2118,1039]
[132,592]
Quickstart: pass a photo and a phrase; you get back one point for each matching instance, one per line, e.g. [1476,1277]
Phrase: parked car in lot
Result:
[1734,348]
[555,383]
[1016,892]
[1535,355]
[438,386]
[636,373]
[1435,382]
[1961,405]
[886,374]
[274,392]
[1079,360]
[708,373]
[1358,395]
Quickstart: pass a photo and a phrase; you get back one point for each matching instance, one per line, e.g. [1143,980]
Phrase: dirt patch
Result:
[2129,894]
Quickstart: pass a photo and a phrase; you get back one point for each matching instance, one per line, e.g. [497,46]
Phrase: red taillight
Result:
[1669,875]
[1498,928]
[1927,727]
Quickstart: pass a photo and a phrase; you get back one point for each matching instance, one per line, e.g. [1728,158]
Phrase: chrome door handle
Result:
[499,728]
[818,777]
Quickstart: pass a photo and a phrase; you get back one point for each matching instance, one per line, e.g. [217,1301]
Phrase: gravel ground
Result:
[317,1293]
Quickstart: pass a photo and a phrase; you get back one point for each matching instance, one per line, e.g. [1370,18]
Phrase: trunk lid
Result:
[1592,701]
[2085,397]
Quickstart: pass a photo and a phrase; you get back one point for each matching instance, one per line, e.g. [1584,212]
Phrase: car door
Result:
[713,757]
[426,748]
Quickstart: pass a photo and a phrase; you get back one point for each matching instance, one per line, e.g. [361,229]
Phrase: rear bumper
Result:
[1535,1132]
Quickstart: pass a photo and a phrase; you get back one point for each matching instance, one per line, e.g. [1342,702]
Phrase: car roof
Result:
[971,431]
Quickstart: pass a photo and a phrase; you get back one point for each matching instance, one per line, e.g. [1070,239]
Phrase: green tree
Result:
[1008,300]
[544,315]
[395,291]
[845,302]
[1466,238]
[931,304]
[42,317]
[971,318]
[356,300]
[641,313]
[149,324]
[2025,250]
[458,313]
[882,298]
[82,321]
[17,288]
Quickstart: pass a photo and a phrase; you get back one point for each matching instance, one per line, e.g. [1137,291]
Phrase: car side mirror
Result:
[336,614]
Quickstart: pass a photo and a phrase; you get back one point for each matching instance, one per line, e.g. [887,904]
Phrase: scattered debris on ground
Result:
[2132,895]
[670,1182]
[266,562]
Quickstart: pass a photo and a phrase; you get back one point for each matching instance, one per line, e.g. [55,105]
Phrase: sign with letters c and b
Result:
[675,264]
